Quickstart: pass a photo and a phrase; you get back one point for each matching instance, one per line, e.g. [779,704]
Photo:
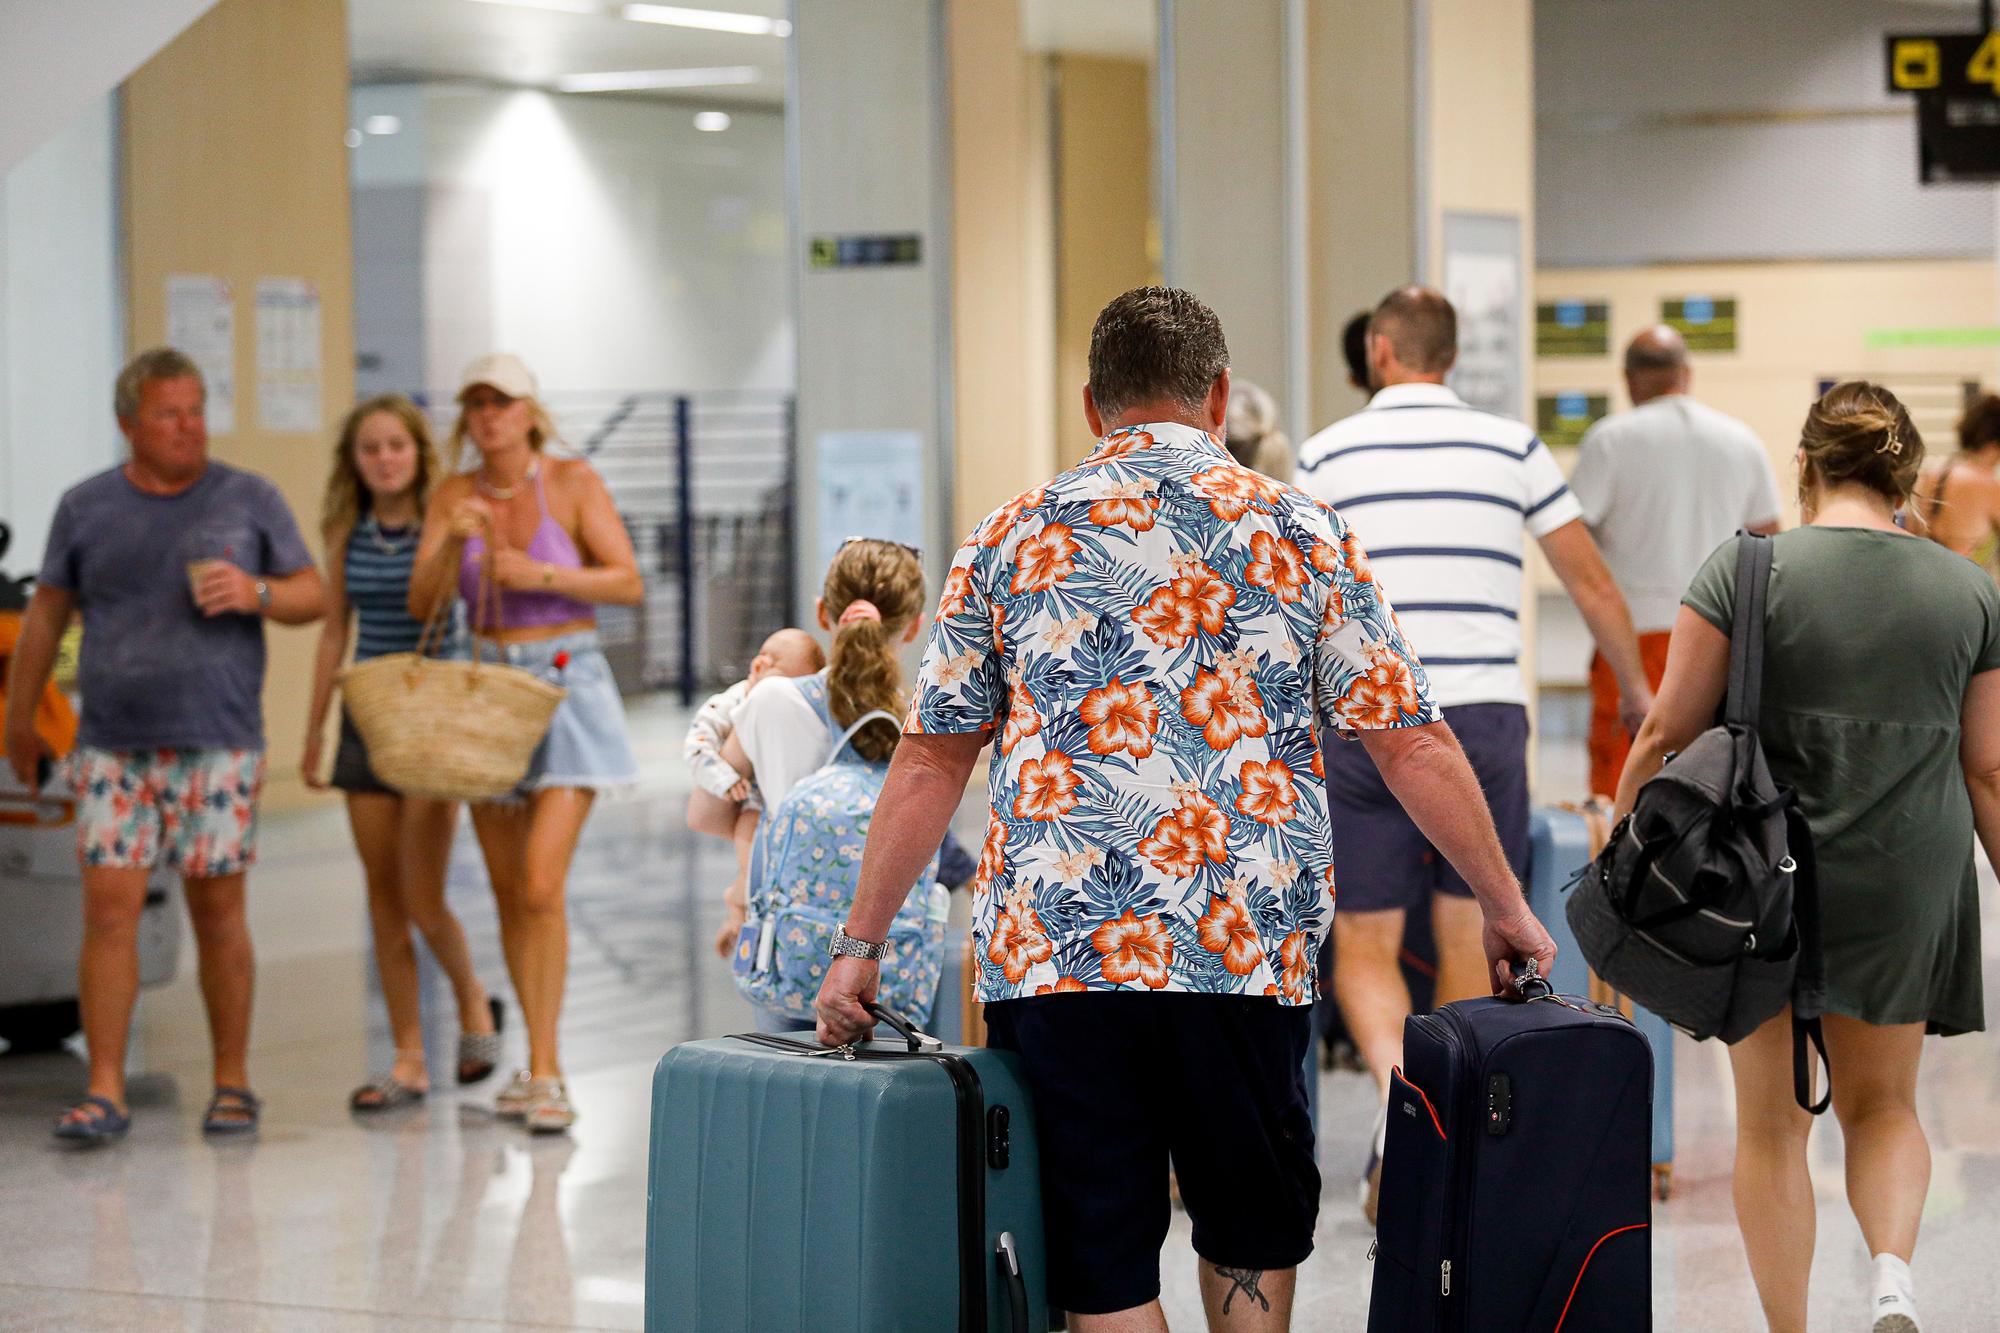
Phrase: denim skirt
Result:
[586,745]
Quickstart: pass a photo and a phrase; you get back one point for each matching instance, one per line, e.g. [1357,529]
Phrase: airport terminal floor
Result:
[439,1216]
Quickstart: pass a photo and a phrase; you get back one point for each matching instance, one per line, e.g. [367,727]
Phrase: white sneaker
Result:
[1895,1304]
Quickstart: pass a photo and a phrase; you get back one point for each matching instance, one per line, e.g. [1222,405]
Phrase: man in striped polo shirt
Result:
[1440,495]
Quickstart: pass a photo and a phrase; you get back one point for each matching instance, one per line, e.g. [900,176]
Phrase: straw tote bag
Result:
[454,731]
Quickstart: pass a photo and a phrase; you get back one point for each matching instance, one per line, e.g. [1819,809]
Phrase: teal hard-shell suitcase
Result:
[1559,847]
[891,1186]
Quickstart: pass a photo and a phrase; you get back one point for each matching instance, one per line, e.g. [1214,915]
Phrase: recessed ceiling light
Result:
[711,122]
[559,6]
[640,80]
[715,20]
[382,125]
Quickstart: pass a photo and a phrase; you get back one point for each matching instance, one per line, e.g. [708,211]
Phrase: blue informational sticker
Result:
[1573,405]
[1570,314]
[1698,309]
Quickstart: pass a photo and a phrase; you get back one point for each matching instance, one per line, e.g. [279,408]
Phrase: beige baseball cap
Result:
[500,370]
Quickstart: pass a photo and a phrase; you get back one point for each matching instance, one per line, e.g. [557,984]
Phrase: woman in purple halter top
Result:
[547,531]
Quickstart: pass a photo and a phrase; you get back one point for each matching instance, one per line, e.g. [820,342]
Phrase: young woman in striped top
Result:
[383,468]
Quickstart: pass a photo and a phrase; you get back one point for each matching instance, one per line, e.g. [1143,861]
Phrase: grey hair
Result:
[1252,434]
[155,363]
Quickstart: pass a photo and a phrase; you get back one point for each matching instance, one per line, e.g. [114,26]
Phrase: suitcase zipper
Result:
[1459,1207]
[1444,1278]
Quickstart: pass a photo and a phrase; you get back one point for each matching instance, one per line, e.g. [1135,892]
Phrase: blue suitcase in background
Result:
[1515,1191]
[895,1186]
[1559,846]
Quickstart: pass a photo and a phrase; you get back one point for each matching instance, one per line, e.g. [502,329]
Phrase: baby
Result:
[789,652]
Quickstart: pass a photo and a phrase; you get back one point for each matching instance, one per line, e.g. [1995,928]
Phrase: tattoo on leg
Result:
[1246,1281]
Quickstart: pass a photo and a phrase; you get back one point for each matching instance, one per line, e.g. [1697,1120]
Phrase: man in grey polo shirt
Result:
[176,562]
[1661,486]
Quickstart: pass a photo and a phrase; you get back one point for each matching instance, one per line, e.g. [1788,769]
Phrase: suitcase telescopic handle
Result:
[918,1039]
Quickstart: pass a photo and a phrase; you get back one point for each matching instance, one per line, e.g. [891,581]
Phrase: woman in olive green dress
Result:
[1881,706]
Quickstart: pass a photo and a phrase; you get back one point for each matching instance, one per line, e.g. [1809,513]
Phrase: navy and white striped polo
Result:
[1439,494]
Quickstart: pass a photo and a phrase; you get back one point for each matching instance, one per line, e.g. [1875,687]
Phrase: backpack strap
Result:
[1746,635]
[1809,982]
[859,723]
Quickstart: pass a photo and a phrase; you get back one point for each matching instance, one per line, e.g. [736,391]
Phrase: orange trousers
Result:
[1609,743]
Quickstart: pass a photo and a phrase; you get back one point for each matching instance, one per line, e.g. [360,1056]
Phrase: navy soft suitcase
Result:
[1515,1184]
[889,1186]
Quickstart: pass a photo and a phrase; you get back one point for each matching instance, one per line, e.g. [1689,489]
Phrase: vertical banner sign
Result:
[871,484]
[201,322]
[1482,279]
[288,355]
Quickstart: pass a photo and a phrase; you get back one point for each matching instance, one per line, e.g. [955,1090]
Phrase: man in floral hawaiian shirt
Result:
[1151,641]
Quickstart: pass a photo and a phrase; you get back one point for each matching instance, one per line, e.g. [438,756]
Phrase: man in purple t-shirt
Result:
[175,562]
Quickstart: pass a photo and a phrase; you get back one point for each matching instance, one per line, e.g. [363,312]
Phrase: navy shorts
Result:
[1381,861]
[1125,1083]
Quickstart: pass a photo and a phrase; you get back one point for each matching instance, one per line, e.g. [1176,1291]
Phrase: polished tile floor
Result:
[441,1217]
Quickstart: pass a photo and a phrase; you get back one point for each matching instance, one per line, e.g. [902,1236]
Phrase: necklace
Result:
[389,540]
[506,492]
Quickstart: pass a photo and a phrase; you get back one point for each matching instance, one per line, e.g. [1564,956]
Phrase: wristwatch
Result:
[846,946]
[263,595]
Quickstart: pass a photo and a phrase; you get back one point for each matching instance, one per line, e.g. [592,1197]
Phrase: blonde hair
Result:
[863,672]
[347,496]
[1252,434]
[541,431]
[1860,433]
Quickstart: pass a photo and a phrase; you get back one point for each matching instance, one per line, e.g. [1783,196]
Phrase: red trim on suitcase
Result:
[1435,1122]
[1636,1226]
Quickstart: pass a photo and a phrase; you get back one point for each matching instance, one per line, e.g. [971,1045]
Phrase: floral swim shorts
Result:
[196,808]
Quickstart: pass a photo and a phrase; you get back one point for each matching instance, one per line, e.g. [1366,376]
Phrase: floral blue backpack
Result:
[805,866]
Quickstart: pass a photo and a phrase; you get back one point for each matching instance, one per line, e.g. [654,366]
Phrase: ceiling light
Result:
[715,20]
[711,122]
[382,125]
[641,80]
[353,138]
[559,6]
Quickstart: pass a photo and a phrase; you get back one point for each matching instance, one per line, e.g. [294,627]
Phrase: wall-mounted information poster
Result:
[1707,322]
[1562,418]
[1573,328]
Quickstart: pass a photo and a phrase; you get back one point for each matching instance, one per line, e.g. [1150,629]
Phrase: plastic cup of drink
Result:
[196,571]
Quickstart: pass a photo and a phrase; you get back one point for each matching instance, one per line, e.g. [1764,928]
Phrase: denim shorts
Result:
[586,745]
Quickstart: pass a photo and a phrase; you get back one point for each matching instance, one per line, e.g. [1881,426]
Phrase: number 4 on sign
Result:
[1985,66]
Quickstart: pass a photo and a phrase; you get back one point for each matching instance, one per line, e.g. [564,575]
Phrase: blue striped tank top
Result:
[379,561]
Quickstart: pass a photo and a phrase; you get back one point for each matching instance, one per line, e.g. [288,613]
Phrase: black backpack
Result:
[1704,904]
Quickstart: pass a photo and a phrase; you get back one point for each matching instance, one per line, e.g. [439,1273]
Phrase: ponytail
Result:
[873,591]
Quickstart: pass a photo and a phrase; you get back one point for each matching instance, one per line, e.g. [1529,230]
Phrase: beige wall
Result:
[1104,190]
[1361,155]
[235,166]
[1003,261]
[1796,324]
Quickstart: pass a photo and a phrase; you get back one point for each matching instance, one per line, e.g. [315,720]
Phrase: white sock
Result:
[1894,1292]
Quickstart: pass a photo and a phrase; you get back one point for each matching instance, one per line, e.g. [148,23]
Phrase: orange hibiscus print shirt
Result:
[1156,641]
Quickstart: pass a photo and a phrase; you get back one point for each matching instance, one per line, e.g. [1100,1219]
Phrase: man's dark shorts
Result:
[1380,859]
[1124,1083]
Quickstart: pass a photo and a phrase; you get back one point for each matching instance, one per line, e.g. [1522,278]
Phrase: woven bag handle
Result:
[489,592]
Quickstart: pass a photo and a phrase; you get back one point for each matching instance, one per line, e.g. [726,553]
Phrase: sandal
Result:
[382,1093]
[92,1121]
[514,1099]
[549,1110]
[479,1052]
[232,1111]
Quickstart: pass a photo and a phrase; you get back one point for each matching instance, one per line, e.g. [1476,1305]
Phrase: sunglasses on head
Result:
[916,552]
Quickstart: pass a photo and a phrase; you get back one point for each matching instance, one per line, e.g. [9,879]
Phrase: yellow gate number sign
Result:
[1916,65]
[1985,66]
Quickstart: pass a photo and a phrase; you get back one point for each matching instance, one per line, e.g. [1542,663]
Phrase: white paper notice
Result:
[201,321]
[871,484]
[288,362]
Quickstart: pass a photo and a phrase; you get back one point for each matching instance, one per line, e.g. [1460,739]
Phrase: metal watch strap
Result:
[846,946]
[263,595]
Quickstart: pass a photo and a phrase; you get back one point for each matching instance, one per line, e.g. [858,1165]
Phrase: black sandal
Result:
[479,1052]
[382,1093]
[232,1111]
